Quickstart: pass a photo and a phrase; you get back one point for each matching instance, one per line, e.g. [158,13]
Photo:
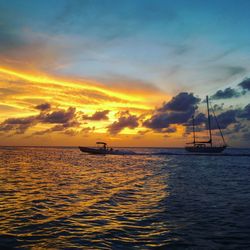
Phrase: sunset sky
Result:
[131,73]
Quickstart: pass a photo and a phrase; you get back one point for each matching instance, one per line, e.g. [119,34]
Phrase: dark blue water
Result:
[60,198]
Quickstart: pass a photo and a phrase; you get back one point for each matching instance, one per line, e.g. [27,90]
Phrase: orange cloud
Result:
[21,92]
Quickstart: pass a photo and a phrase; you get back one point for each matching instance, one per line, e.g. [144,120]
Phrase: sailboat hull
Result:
[205,149]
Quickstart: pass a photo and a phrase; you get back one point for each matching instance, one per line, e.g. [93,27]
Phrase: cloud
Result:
[245,84]
[225,119]
[180,109]
[63,118]
[177,111]
[126,120]
[18,125]
[97,116]
[60,116]
[182,102]
[226,94]
[199,119]
[59,128]
[88,129]
[245,113]
[232,92]
[43,106]
[218,107]
[161,121]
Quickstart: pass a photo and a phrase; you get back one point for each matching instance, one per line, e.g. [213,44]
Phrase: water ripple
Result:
[60,198]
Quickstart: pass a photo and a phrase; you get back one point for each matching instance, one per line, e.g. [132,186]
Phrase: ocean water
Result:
[60,198]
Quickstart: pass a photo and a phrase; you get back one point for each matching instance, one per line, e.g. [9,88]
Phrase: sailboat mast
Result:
[209,122]
[193,129]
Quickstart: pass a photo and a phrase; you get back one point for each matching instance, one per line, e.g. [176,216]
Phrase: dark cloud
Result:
[43,106]
[17,121]
[161,121]
[218,107]
[63,118]
[233,130]
[182,102]
[199,119]
[181,108]
[225,119]
[245,84]
[126,120]
[97,116]
[226,94]
[231,92]
[60,116]
[177,111]
[232,120]
[245,113]
[18,125]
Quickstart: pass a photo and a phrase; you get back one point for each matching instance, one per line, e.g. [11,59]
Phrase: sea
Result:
[61,198]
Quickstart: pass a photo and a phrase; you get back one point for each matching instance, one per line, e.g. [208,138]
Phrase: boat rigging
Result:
[206,146]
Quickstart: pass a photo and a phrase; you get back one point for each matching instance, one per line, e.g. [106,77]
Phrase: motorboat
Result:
[103,149]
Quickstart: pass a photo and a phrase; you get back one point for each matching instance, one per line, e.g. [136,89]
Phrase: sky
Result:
[131,73]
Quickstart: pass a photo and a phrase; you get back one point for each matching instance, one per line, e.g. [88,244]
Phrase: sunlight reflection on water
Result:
[61,198]
[72,197]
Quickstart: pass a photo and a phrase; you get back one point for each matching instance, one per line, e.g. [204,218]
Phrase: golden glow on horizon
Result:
[26,90]
[22,91]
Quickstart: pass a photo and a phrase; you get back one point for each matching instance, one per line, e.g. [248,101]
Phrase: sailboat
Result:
[206,146]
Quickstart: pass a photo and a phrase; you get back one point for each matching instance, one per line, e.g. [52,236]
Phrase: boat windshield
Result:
[102,144]
[200,145]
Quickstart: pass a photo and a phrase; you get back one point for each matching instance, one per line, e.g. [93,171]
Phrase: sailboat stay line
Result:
[201,146]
